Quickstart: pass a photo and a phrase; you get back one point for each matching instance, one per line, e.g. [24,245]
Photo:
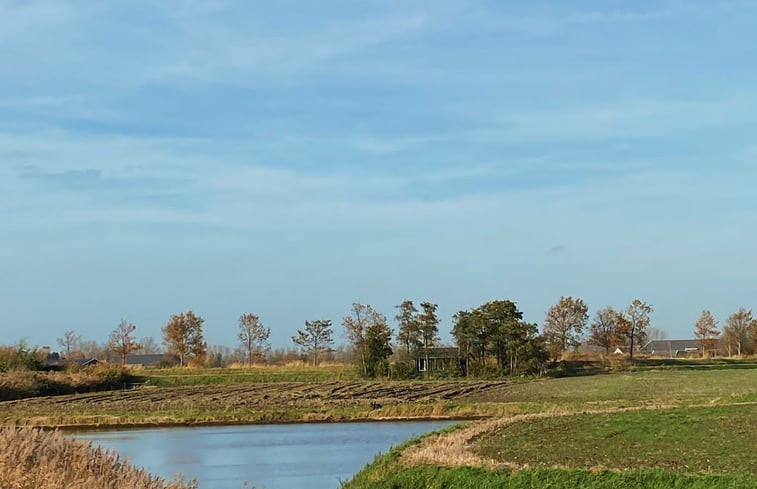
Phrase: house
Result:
[87,362]
[55,362]
[153,360]
[440,359]
[672,348]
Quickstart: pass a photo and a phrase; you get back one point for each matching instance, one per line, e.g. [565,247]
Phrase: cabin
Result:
[673,348]
[440,360]
[88,362]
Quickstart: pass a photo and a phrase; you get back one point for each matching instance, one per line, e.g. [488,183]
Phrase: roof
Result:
[443,352]
[658,346]
[149,360]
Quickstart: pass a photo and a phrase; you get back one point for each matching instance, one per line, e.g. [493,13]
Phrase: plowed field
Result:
[283,401]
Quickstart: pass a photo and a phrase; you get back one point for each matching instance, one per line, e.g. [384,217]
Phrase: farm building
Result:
[441,359]
[672,348]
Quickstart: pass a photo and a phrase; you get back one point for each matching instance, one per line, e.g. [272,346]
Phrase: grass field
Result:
[255,402]
[389,471]
[691,428]
[713,440]
[214,376]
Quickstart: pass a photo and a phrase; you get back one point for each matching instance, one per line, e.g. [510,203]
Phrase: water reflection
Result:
[308,456]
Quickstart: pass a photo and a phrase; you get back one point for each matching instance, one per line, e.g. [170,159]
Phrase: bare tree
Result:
[93,349]
[315,339]
[635,323]
[737,332]
[656,334]
[603,331]
[356,324]
[121,341]
[69,343]
[253,336]
[706,331]
[564,324]
[149,346]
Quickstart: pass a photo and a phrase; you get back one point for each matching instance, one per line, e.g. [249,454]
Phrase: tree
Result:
[603,331]
[706,331]
[315,339]
[183,337]
[121,341]
[497,328]
[428,327]
[470,333]
[738,332]
[656,334]
[70,342]
[408,333]
[635,323]
[361,318]
[564,324]
[148,346]
[377,348]
[253,336]
[501,324]
[93,349]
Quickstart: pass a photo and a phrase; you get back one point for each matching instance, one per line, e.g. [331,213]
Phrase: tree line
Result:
[567,326]
[491,339]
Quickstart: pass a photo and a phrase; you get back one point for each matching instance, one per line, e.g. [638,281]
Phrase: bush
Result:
[401,371]
[20,357]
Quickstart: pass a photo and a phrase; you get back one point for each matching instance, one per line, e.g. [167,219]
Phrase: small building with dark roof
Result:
[672,348]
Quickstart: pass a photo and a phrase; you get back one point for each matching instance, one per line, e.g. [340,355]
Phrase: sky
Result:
[291,158]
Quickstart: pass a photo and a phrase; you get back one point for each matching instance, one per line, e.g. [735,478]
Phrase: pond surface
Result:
[288,456]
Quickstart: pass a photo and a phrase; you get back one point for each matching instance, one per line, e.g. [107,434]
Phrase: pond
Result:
[285,456]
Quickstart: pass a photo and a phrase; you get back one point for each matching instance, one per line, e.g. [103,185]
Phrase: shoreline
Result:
[201,424]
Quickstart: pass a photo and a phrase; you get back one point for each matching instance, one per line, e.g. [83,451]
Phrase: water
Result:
[290,456]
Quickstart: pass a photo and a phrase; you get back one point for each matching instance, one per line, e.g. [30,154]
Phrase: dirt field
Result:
[235,402]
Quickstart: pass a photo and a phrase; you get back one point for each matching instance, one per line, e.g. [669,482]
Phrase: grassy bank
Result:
[692,448]
[431,477]
[714,440]
[34,459]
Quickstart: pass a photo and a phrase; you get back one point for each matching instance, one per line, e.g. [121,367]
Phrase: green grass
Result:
[713,440]
[429,477]
[634,388]
[387,472]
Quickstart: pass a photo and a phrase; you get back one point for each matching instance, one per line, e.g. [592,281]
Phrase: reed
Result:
[37,459]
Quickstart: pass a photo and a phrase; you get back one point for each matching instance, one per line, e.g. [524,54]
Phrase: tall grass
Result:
[19,384]
[36,459]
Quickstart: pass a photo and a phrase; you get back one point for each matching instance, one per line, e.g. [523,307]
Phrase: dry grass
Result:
[19,384]
[36,459]
[456,448]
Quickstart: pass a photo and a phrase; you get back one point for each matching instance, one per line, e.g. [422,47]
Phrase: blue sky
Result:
[289,158]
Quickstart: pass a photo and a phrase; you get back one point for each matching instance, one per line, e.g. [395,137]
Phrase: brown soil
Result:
[236,398]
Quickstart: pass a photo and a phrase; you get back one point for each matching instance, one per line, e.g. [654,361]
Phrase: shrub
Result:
[19,357]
